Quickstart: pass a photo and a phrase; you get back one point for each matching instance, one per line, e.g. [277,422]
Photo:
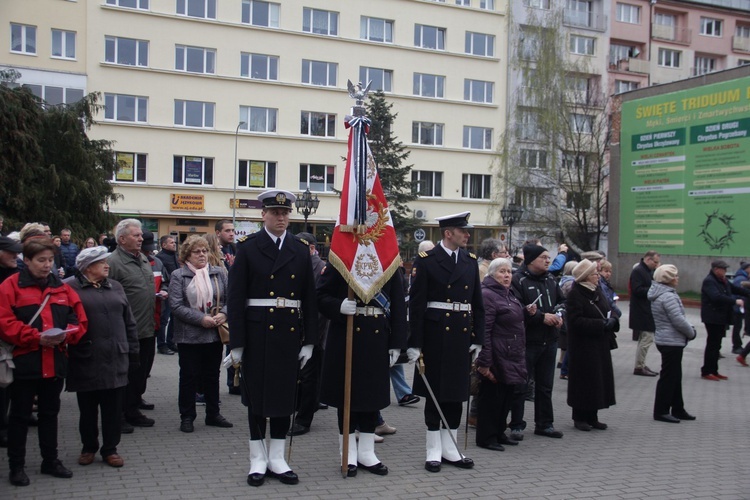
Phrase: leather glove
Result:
[609,324]
[348,307]
[394,353]
[233,358]
[474,349]
[617,325]
[305,353]
[413,354]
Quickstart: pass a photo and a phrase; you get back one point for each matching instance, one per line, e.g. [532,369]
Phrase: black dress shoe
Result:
[218,420]
[18,477]
[378,469]
[187,425]
[548,432]
[140,421]
[432,466]
[667,418]
[56,469]
[298,430]
[256,479]
[600,426]
[683,415]
[462,463]
[165,350]
[582,426]
[351,470]
[288,477]
[493,446]
[504,439]
[146,406]
[126,428]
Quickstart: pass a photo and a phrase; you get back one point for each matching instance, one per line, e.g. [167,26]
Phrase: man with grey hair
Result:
[131,268]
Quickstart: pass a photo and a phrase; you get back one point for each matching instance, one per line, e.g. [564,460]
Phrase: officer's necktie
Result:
[278,243]
[454,256]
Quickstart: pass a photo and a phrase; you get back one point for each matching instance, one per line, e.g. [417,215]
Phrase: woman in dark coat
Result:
[502,360]
[378,340]
[98,366]
[591,383]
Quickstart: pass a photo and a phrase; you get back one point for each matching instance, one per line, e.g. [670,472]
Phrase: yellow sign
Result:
[186,202]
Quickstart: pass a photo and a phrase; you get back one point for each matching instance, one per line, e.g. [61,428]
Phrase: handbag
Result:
[6,352]
[612,335]
[223,328]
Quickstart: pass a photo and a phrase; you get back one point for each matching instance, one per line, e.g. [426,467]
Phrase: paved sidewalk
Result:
[635,458]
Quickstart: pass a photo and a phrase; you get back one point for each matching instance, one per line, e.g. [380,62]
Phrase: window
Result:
[477,137]
[480,44]
[320,22]
[669,58]
[533,159]
[193,170]
[478,91]
[316,177]
[704,64]
[319,73]
[665,19]
[258,119]
[618,52]
[581,124]
[194,59]
[624,86]
[55,95]
[475,186]
[260,13]
[528,46]
[257,174]
[131,167]
[488,4]
[578,201]
[63,44]
[381,78]
[465,3]
[259,66]
[126,51]
[576,164]
[318,124]
[194,113]
[125,108]
[429,37]
[532,197]
[578,12]
[711,27]
[582,45]
[22,38]
[429,85]
[627,13]
[427,183]
[131,4]
[742,31]
[205,9]
[375,29]
[428,134]
[527,126]
[537,4]
[743,62]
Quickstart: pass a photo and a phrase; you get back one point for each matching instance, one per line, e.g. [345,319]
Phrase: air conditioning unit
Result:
[420,213]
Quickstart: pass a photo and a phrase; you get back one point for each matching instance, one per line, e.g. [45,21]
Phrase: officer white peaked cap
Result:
[277,198]
[455,220]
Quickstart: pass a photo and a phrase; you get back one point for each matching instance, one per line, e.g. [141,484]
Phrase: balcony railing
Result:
[676,34]
[741,43]
[588,20]
[630,65]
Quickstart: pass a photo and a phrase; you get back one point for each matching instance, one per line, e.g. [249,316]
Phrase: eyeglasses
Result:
[199,251]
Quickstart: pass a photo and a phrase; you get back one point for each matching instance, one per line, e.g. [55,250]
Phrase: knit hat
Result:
[744,265]
[90,255]
[665,273]
[583,270]
[531,252]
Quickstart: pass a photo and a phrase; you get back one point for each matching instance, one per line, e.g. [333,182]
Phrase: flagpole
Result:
[347,390]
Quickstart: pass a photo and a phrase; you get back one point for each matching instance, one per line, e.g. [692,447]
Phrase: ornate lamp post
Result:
[306,205]
[511,214]
[236,166]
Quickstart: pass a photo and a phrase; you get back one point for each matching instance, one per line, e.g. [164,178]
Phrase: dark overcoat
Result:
[271,336]
[641,318]
[718,300]
[372,337]
[445,336]
[591,380]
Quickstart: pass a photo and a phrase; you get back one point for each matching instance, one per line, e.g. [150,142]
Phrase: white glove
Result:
[233,358]
[474,349]
[394,353]
[305,353]
[413,354]
[348,307]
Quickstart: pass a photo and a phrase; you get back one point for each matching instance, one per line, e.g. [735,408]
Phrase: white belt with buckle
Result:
[278,302]
[449,306]
[369,311]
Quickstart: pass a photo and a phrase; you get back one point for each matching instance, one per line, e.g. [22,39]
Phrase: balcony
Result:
[741,44]
[676,34]
[587,20]
[630,65]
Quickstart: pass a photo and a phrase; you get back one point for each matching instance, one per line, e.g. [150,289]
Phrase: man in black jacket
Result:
[641,319]
[168,257]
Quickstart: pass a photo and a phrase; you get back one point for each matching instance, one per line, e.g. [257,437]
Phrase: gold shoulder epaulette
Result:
[423,254]
[243,238]
[472,256]
[304,242]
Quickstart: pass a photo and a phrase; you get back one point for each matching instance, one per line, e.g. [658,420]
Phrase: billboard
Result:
[685,171]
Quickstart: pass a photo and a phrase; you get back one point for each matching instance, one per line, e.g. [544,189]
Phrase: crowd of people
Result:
[92,319]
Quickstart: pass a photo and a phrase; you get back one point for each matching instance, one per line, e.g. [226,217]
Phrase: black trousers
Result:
[308,394]
[200,366]
[89,403]
[588,416]
[22,394]
[737,329]
[669,387]
[257,423]
[137,378]
[493,406]
[452,412]
[3,410]
[713,345]
[364,421]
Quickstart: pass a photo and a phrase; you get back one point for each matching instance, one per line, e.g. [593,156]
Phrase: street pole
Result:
[236,166]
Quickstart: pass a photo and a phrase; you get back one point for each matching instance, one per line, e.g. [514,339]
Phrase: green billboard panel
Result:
[685,171]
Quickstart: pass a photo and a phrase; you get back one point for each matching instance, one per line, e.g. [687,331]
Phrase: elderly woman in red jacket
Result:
[39,315]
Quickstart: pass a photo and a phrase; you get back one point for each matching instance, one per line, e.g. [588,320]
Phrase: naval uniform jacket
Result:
[372,337]
[271,335]
[445,336]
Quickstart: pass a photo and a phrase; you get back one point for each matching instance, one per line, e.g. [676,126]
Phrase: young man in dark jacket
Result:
[641,319]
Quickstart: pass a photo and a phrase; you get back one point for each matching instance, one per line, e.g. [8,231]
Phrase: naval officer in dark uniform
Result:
[447,323]
[378,338]
[273,315]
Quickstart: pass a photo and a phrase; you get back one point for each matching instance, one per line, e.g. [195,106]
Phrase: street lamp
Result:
[306,205]
[511,214]
[236,166]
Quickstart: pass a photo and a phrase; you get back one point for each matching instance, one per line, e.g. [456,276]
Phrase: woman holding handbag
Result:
[197,298]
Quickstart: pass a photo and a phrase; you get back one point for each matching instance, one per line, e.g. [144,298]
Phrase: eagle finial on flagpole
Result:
[359,95]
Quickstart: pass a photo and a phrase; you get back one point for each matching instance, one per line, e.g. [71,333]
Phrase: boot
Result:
[366,458]
[434,451]
[277,466]
[351,458]
[258,462]
[451,454]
